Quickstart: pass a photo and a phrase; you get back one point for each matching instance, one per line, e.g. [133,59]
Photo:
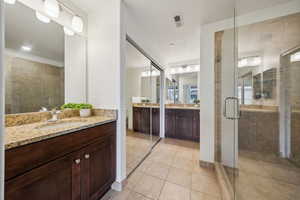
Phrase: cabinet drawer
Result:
[22,159]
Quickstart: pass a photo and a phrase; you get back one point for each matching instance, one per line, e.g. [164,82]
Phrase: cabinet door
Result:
[136,119]
[196,126]
[145,120]
[170,117]
[48,182]
[98,168]
[155,121]
[184,124]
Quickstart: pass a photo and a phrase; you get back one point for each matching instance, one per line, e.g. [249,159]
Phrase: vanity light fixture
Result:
[10,1]
[295,57]
[68,31]
[26,48]
[77,24]
[250,61]
[51,8]
[42,17]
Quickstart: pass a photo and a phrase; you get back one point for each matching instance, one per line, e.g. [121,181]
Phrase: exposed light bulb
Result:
[42,17]
[68,31]
[10,1]
[188,69]
[51,8]
[77,24]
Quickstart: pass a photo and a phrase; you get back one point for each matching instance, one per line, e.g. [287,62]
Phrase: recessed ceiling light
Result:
[10,1]
[26,48]
[42,17]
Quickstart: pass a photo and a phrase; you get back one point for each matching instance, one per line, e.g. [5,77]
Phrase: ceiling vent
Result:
[178,21]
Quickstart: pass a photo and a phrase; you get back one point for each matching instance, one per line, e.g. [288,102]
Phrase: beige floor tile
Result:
[180,177]
[186,154]
[134,179]
[183,163]
[120,195]
[205,184]
[165,158]
[195,195]
[150,186]
[136,196]
[202,170]
[174,192]
[158,170]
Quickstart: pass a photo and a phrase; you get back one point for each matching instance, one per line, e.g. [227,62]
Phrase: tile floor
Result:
[170,172]
[266,177]
[138,145]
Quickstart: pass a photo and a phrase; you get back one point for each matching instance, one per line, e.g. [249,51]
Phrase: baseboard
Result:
[117,186]
[207,164]
[225,185]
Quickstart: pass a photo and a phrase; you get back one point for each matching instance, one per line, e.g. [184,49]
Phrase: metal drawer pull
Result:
[77,161]
[87,156]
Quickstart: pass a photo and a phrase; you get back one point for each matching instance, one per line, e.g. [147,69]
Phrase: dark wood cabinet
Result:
[97,171]
[51,181]
[155,121]
[141,120]
[186,124]
[179,123]
[85,173]
[170,123]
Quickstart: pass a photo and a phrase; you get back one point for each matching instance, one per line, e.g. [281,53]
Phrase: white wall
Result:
[133,89]
[106,69]
[207,122]
[2,80]
[75,69]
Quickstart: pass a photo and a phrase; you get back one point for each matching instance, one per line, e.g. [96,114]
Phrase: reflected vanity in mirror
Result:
[34,61]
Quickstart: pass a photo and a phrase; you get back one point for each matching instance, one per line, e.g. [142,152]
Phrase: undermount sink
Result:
[57,125]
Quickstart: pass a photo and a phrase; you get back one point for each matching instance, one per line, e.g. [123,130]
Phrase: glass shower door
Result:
[268,41]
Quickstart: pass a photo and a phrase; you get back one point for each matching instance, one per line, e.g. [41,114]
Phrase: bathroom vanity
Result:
[180,122]
[64,163]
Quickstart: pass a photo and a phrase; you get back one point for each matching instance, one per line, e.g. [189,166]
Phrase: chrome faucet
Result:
[54,114]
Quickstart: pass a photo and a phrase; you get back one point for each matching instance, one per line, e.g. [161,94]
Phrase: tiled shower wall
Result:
[30,85]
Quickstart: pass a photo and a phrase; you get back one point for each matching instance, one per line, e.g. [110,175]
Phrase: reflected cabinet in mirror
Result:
[34,61]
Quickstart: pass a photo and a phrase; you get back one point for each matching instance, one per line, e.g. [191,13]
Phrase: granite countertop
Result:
[169,107]
[16,136]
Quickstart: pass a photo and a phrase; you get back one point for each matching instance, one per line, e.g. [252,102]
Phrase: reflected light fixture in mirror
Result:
[250,62]
[77,24]
[42,17]
[51,8]
[295,57]
[26,48]
[10,1]
[68,31]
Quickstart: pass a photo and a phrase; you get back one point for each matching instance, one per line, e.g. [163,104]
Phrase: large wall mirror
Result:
[182,87]
[38,72]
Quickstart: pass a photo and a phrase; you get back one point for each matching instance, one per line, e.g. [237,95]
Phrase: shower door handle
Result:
[236,114]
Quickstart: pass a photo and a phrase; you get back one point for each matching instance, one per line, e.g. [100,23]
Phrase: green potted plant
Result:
[85,110]
[197,102]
